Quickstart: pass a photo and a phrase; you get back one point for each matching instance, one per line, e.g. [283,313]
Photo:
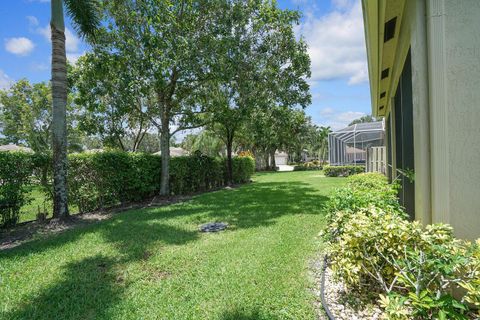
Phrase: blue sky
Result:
[333,30]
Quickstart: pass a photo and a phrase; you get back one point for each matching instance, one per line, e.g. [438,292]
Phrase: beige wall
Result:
[462,43]
[454,85]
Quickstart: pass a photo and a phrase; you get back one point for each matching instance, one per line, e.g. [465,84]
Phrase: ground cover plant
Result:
[413,269]
[154,264]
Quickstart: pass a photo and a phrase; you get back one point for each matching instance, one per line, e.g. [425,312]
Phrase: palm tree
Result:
[86,20]
[323,133]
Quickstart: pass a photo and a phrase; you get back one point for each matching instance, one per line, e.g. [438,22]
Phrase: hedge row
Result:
[100,180]
[342,171]
[413,269]
[308,166]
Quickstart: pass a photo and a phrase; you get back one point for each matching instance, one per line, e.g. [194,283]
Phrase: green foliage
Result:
[195,173]
[307,166]
[105,179]
[243,169]
[363,119]
[362,191]
[15,172]
[373,245]
[471,281]
[157,257]
[342,171]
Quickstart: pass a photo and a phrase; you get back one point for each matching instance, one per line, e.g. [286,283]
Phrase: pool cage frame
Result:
[361,137]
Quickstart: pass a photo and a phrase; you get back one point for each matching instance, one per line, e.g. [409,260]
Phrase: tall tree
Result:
[363,119]
[105,109]
[26,116]
[323,133]
[86,21]
[262,65]
[162,51]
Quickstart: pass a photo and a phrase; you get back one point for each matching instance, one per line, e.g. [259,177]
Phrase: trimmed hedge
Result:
[104,179]
[307,166]
[15,172]
[343,171]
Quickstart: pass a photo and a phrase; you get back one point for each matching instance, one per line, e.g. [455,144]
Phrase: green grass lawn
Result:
[37,198]
[153,264]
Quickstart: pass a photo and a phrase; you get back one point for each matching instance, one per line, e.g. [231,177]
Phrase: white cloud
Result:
[73,57]
[32,21]
[338,120]
[327,111]
[20,46]
[5,81]
[72,42]
[336,43]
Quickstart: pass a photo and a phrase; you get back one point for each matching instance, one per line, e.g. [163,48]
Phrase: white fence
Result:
[377,159]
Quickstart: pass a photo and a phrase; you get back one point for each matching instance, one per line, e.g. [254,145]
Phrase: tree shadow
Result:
[93,277]
[136,232]
[250,206]
[246,315]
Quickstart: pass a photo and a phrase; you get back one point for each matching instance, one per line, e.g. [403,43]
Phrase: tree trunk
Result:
[267,161]
[59,113]
[229,158]
[165,150]
[272,160]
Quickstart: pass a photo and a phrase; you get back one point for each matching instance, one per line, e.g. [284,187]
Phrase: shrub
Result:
[243,169]
[15,171]
[362,191]
[415,267]
[374,247]
[471,280]
[105,179]
[307,166]
[343,171]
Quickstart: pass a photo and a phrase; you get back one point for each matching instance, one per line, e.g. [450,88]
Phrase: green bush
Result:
[105,179]
[243,169]
[108,178]
[374,247]
[343,171]
[15,172]
[362,191]
[307,166]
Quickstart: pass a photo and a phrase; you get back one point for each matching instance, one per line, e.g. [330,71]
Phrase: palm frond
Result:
[85,15]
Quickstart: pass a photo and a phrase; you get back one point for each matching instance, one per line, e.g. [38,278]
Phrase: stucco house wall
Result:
[443,37]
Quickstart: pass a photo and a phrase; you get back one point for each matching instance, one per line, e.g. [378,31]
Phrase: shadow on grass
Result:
[242,315]
[87,289]
[90,286]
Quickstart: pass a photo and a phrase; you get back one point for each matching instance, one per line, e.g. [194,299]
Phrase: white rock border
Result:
[329,292]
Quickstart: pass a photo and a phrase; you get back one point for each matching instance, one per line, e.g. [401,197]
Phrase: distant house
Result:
[175,152]
[424,70]
[14,147]
[281,158]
